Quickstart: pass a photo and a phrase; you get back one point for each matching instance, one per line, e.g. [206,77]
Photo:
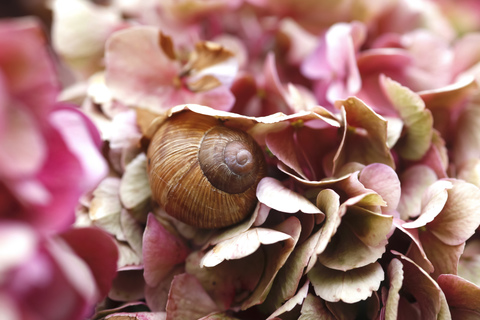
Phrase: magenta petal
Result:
[161,251]
[82,140]
[98,250]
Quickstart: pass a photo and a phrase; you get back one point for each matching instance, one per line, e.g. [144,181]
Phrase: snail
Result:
[202,172]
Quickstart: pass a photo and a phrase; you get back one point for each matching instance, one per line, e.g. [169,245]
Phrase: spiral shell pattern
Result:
[202,172]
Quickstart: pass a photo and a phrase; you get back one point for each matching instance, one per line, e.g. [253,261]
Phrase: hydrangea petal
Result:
[105,207]
[26,65]
[459,218]
[83,141]
[415,180]
[157,297]
[294,301]
[360,240]
[137,316]
[98,250]
[349,286]
[395,275]
[275,257]
[433,201]
[129,78]
[161,251]
[132,230]
[382,179]
[424,289]
[135,189]
[230,281]
[470,172]
[329,202]
[365,136]
[418,120]
[466,145]
[462,296]
[274,194]
[444,257]
[128,285]
[314,307]
[242,245]
[288,278]
[23,148]
[415,252]
[187,299]
[469,265]
[81,44]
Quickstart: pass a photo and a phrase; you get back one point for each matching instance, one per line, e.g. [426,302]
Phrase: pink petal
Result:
[382,179]
[433,202]
[457,221]
[98,250]
[83,141]
[220,98]
[415,252]
[187,299]
[130,78]
[415,180]
[27,66]
[23,146]
[462,296]
[162,251]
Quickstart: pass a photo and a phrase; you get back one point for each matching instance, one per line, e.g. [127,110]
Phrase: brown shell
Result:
[189,177]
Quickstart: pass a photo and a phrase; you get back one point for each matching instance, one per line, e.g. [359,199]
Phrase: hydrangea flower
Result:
[365,112]
[50,158]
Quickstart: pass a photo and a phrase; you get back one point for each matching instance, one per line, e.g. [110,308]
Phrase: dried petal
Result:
[162,251]
[418,120]
[272,193]
[349,286]
[188,300]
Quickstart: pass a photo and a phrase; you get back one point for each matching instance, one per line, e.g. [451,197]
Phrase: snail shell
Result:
[202,172]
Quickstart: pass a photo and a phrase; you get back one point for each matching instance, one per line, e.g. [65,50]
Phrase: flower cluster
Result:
[368,115]
[49,158]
